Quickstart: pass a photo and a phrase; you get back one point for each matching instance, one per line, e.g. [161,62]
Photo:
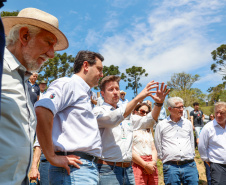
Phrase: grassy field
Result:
[200,167]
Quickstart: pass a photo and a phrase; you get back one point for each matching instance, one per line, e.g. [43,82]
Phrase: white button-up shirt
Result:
[74,126]
[212,143]
[117,132]
[174,141]
[17,123]
[142,140]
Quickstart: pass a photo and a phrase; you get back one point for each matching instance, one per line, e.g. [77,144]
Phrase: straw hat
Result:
[122,92]
[38,18]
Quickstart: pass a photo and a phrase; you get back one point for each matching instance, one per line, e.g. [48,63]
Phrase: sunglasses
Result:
[143,111]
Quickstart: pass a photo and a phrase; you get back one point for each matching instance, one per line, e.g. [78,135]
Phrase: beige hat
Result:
[38,18]
[122,92]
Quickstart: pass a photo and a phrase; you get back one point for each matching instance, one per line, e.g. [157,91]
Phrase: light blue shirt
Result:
[122,102]
[17,123]
[212,143]
[162,114]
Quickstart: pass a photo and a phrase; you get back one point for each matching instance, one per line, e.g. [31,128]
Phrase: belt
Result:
[44,160]
[179,162]
[119,164]
[80,154]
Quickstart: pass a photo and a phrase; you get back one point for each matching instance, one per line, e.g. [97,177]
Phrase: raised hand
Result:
[160,94]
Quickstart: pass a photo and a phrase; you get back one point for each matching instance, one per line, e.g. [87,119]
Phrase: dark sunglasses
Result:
[143,111]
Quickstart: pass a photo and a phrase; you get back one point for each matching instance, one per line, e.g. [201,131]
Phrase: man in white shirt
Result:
[116,129]
[122,100]
[212,144]
[174,142]
[42,86]
[32,38]
[67,129]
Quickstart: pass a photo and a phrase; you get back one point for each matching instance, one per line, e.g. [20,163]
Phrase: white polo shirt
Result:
[74,126]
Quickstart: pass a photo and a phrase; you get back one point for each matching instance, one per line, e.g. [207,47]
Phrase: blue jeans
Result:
[112,175]
[186,174]
[208,177]
[87,174]
[44,170]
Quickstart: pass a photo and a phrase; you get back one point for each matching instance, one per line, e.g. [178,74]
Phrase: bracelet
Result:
[155,161]
[158,104]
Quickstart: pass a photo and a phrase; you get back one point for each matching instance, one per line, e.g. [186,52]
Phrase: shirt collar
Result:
[107,104]
[12,61]
[83,83]
[216,124]
[169,119]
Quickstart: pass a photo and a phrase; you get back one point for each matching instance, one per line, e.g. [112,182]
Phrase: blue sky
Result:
[162,36]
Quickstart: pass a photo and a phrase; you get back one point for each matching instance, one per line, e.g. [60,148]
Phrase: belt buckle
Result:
[123,165]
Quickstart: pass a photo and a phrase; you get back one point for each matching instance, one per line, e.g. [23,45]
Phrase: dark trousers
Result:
[218,174]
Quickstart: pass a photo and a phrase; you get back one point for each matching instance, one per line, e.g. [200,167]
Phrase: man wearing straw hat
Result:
[32,38]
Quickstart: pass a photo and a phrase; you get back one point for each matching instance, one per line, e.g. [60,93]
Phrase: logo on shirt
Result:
[52,96]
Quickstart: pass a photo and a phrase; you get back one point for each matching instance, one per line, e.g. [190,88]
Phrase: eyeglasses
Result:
[143,111]
[123,94]
[181,107]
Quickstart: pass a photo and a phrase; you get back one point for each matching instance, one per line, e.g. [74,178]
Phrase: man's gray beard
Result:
[31,65]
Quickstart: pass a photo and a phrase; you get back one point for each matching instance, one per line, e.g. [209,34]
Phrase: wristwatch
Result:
[158,104]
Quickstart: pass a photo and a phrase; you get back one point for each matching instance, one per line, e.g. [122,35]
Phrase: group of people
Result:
[91,145]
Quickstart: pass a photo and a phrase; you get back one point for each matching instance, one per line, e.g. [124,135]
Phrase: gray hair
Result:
[171,102]
[13,36]
[219,104]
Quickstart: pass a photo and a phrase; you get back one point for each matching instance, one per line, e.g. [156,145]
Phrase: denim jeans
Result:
[44,170]
[208,177]
[186,174]
[87,174]
[111,175]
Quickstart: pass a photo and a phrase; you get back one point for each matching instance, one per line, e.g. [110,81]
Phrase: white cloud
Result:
[174,38]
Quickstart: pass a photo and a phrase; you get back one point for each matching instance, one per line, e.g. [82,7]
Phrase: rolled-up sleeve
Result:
[107,117]
[142,122]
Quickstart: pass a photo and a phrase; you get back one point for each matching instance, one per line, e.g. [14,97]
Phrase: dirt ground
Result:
[200,167]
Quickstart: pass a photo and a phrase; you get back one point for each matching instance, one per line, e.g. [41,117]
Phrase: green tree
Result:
[189,95]
[182,81]
[181,84]
[111,70]
[14,13]
[222,96]
[133,77]
[219,56]
[57,67]
[216,92]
